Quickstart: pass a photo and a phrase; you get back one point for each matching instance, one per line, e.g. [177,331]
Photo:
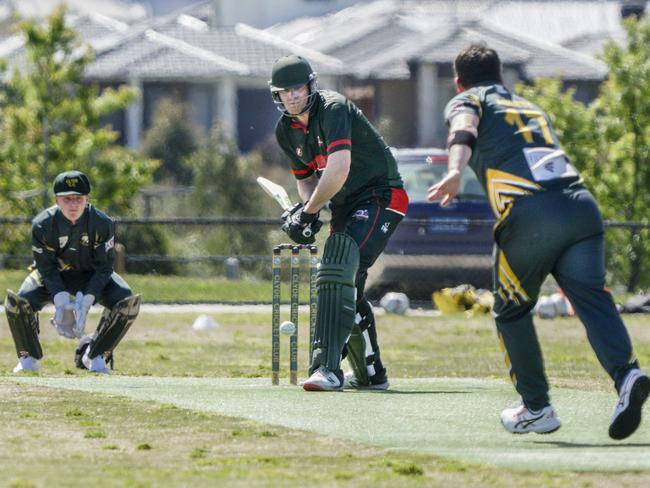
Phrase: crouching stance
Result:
[73,248]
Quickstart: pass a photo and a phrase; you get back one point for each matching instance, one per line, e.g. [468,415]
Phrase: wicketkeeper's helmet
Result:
[291,72]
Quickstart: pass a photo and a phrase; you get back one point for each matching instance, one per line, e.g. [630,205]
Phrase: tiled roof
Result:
[184,49]
[390,34]
[126,11]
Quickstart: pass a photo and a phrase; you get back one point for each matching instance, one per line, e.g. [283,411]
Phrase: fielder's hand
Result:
[83,304]
[60,300]
[301,226]
[446,189]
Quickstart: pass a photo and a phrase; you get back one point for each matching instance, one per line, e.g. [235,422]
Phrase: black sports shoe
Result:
[377,382]
[632,395]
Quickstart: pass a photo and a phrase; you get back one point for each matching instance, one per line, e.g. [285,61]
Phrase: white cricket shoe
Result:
[352,383]
[323,380]
[627,414]
[96,364]
[26,363]
[521,420]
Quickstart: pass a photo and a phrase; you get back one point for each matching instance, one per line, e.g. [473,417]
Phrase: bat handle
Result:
[306,232]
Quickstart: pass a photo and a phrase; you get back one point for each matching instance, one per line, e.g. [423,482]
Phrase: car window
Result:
[419,175]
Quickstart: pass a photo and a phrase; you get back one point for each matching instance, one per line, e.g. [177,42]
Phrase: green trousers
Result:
[558,232]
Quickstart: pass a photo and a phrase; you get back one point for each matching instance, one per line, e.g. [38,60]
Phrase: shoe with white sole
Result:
[26,363]
[96,364]
[323,380]
[376,384]
[632,395]
[521,420]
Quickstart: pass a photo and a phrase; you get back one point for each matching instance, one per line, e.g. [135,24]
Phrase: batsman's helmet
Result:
[291,72]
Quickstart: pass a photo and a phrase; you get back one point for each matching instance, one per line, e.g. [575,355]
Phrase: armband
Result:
[463,137]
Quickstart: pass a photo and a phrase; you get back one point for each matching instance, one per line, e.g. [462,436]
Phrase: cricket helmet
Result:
[292,71]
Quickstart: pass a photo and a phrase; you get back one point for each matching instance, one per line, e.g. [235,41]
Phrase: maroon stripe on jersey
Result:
[300,171]
[399,201]
[319,162]
[373,226]
[297,125]
[332,145]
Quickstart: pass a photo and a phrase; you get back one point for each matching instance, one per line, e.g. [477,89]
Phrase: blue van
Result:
[436,247]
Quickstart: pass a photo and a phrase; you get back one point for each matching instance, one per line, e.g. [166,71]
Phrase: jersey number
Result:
[514,117]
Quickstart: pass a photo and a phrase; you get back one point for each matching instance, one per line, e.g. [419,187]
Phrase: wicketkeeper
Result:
[73,247]
[337,156]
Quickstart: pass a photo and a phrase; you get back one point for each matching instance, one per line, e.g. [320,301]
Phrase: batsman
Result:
[74,251]
[337,156]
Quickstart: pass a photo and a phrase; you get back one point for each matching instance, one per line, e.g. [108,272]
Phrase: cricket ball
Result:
[287,328]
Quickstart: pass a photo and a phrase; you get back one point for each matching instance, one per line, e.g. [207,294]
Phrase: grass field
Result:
[161,288]
[188,408]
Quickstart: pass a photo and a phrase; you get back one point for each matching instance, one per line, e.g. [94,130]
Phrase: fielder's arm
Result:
[331,181]
[46,261]
[459,155]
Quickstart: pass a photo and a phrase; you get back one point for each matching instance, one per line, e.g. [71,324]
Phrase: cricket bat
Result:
[280,195]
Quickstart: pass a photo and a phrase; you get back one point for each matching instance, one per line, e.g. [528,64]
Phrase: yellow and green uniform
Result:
[73,257]
[547,223]
[372,201]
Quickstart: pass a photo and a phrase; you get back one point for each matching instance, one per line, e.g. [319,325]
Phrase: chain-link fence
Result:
[240,249]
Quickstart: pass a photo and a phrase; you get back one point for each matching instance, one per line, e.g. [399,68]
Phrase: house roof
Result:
[560,21]
[183,47]
[389,34]
[123,10]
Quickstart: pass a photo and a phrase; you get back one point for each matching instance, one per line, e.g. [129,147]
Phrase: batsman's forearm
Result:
[331,182]
[306,187]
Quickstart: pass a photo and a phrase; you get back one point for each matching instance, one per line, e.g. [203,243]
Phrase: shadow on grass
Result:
[416,392]
[581,445]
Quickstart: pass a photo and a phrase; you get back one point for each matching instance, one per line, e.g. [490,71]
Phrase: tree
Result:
[609,142]
[224,186]
[50,122]
[171,139]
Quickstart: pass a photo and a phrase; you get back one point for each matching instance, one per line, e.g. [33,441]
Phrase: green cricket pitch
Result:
[451,417]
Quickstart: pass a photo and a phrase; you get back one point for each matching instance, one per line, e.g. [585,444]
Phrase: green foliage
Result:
[609,141]
[146,240]
[224,183]
[50,122]
[171,139]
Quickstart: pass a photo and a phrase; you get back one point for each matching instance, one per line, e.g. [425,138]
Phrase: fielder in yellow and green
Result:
[548,223]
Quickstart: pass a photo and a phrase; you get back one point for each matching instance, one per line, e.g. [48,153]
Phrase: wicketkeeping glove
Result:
[60,300]
[82,306]
[301,226]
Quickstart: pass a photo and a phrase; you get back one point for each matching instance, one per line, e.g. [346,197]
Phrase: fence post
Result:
[120,260]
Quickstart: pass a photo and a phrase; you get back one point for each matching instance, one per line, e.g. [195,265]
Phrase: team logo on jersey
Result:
[63,240]
[299,151]
[109,244]
[85,241]
[361,214]
[384,228]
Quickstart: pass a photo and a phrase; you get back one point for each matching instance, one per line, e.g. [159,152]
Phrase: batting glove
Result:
[301,226]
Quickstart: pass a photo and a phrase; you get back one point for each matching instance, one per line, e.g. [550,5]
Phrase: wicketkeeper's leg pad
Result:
[336,300]
[113,325]
[23,324]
